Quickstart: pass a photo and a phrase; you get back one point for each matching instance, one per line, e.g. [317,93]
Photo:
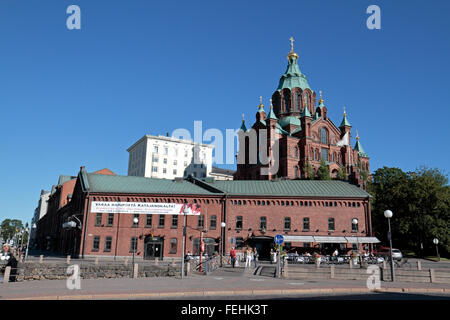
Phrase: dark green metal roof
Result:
[131,184]
[300,188]
[345,122]
[293,78]
[359,148]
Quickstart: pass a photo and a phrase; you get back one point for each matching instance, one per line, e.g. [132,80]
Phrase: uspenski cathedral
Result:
[306,136]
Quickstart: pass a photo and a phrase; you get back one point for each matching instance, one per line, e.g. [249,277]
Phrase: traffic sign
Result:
[279,239]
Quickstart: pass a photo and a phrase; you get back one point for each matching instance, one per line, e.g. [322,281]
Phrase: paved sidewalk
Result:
[223,284]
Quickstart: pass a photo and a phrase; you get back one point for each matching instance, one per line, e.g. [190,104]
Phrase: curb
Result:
[123,296]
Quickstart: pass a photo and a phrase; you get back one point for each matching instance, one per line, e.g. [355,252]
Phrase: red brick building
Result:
[305,135]
[312,214]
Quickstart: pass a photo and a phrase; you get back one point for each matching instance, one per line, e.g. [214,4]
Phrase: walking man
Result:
[255,257]
[248,258]
[233,256]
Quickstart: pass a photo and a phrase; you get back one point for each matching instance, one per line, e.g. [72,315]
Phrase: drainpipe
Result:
[85,225]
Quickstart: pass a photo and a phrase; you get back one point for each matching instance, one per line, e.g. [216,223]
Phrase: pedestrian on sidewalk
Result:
[249,257]
[11,261]
[255,257]
[233,256]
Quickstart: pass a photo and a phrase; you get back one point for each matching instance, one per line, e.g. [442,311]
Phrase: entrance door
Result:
[263,246]
[153,248]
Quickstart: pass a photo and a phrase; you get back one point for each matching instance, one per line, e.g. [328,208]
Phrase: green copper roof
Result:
[243,127]
[305,113]
[272,114]
[345,122]
[359,148]
[306,188]
[131,184]
[293,78]
[280,130]
[289,120]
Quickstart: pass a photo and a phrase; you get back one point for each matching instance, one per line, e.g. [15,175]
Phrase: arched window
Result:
[295,152]
[287,101]
[315,154]
[323,136]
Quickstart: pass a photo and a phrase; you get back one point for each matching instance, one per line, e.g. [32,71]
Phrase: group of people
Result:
[250,255]
[7,257]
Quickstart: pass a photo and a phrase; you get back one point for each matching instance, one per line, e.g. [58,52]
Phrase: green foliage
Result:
[323,173]
[341,174]
[309,171]
[420,201]
[8,228]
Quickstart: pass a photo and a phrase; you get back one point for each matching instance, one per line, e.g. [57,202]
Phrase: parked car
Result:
[385,252]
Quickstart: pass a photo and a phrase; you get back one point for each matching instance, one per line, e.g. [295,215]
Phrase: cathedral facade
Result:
[296,137]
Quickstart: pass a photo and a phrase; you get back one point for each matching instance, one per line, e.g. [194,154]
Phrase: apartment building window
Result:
[108,241]
[161,221]
[155,158]
[239,222]
[133,244]
[135,225]
[155,149]
[201,221]
[98,220]
[305,224]
[164,170]
[165,160]
[173,245]
[166,151]
[148,221]
[96,243]
[262,223]
[213,222]
[175,162]
[330,224]
[174,171]
[110,219]
[287,223]
[174,221]
[154,169]
[185,163]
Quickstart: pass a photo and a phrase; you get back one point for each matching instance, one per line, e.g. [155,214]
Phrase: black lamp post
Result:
[355,223]
[135,221]
[185,211]
[388,214]
[436,242]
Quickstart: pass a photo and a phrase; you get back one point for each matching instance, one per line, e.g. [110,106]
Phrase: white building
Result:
[169,158]
[39,212]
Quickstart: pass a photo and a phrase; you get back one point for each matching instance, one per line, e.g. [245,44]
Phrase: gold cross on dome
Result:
[344,112]
[320,93]
[242,117]
[292,43]
[260,99]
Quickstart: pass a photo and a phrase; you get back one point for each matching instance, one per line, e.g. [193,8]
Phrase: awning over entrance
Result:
[330,239]
[362,240]
[299,238]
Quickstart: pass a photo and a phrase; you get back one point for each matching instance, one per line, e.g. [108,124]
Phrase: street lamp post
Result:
[388,214]
[33,226]
[436,242]
[136,221]
[185,211]
[355,222]
[222,253]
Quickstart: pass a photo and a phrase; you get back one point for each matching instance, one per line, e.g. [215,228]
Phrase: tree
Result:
[9,228]
[341,174]
[420,201]
[323,173]
[308,171]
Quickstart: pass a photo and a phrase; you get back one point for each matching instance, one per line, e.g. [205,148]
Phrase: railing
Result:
[209,265]
[326,259]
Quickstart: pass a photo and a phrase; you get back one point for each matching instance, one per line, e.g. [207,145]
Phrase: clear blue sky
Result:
[82,97]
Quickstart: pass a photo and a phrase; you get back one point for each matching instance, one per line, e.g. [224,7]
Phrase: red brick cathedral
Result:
[305,136]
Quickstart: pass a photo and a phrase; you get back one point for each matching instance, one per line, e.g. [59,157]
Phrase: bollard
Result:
[384,264]
[419,265]
[6,275]
[41,258]
[432,276]
[188,269]
[135,271]
[350,263]
[332,271]
[68,259]
[173,261]
[96,261]
[126,261]
[156,261]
